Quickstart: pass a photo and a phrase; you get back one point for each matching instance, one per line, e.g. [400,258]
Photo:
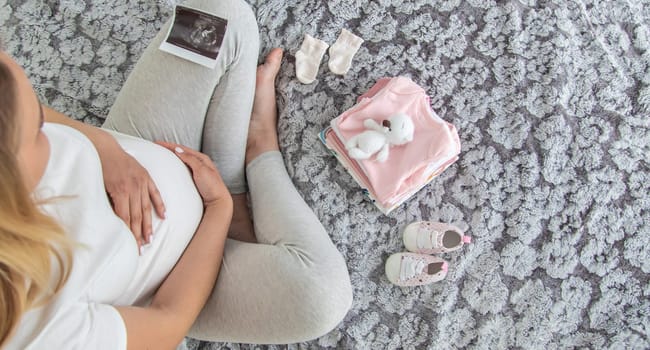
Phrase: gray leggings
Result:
[293,285]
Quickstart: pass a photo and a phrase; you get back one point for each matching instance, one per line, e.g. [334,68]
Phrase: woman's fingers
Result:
[204,158]
[135,208]
[204,173]
[133,194]
[122,206]
[191,160]
[194,159]
[156,199]
[145,201]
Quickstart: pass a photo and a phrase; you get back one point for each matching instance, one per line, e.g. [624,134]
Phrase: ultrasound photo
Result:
[198,32]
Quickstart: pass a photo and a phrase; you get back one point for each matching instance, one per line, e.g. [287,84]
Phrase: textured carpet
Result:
[552,103]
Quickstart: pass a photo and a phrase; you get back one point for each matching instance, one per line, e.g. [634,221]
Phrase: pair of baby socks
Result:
[312,50]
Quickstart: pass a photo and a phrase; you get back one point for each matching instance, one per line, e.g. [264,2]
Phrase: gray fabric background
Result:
[552,103]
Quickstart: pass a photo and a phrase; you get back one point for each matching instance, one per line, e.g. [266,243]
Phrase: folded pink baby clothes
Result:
[409,167]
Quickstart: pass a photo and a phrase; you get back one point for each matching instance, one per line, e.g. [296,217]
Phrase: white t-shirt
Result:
[107,269]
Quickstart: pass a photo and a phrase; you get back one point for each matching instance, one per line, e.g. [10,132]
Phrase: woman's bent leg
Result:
[172,99]
[293,286]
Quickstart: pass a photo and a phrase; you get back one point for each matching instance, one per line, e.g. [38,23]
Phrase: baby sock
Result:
[308,59]
[342,51]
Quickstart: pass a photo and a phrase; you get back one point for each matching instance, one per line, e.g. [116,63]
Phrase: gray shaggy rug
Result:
[552,103]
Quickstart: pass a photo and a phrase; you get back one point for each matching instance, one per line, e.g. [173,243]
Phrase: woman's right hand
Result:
[206,177]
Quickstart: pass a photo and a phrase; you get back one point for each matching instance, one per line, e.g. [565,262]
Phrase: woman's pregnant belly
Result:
[183,213]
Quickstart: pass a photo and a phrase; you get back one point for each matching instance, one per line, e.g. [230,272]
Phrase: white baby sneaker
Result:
[433,237]
[410,269]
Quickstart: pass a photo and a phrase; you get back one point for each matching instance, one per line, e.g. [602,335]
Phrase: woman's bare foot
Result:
[262,137]
[262,132]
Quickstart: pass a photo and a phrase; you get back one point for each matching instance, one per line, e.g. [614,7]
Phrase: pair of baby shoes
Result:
[311,53]
[422,239]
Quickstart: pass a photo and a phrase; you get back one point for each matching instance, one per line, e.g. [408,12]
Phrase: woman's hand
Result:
[205,174]
[132,192]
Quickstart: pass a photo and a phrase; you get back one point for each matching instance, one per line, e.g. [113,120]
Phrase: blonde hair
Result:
[30,241]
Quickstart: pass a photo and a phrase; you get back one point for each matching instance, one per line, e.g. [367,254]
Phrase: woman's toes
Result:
[271,66]
[274,58]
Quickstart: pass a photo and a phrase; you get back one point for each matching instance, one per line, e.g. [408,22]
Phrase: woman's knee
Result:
[228,9]
[330,310]
[243,20]
[324,303]
[242,23]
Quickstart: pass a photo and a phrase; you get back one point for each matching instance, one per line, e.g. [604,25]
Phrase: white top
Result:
[107,269]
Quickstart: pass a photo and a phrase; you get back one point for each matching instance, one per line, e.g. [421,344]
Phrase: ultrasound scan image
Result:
[197,31]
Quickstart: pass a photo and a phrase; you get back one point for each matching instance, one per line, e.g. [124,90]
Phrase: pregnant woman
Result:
[86,263]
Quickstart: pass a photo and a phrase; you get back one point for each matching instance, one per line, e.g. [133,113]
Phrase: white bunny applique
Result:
[396,130]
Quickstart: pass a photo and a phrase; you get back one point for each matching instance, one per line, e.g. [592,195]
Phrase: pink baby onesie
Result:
[435,142]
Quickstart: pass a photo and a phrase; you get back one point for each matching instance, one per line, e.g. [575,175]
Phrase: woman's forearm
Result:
[183,294]
[189,284]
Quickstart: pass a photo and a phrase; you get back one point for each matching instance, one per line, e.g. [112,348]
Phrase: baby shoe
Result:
[433,237]
[410,269]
